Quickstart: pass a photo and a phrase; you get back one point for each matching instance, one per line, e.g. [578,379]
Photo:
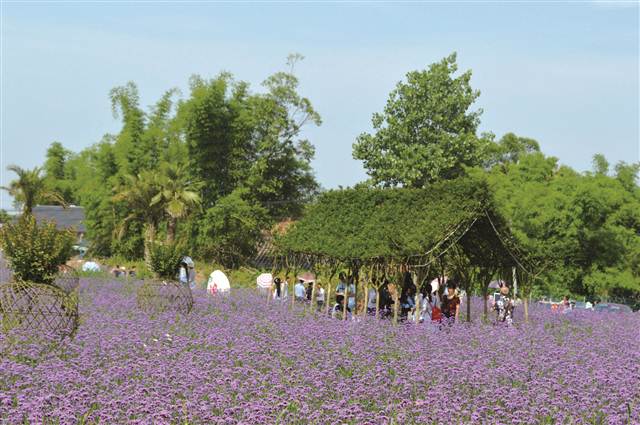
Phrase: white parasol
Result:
[265,281]
[219,282]
[90,266]
[496,284]
[435,283]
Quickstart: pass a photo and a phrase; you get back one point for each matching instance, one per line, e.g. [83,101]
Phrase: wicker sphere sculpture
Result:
[67,279]
[164,295]
[37,308]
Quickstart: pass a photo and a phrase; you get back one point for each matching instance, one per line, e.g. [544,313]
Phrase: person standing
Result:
[319,296]
[451,303]
[342,288]
[372,299]
[300,291]
[278,288]
[504,305]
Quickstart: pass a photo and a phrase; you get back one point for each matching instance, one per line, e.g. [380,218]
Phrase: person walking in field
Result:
[451,303]
[504,305]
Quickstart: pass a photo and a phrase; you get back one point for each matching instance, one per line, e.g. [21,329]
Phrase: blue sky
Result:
[564,74]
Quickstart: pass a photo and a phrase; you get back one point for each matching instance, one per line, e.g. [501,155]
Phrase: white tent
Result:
[265,281]
[218,282]
[90,266]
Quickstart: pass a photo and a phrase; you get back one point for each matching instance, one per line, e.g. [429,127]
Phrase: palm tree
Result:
[179,196]
[138,192]
[30,189]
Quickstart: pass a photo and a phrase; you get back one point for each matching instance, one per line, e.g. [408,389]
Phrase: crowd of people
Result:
[437,303]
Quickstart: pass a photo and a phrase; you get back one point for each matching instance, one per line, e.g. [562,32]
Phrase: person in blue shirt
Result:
[300,291]
[350,288]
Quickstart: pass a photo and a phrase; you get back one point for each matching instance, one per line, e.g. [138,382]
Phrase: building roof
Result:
[64,218]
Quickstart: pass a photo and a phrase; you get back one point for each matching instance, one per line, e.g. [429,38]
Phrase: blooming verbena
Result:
[241,359]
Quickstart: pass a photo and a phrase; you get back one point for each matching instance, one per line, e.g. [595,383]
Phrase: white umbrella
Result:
[435,283]
[496,284]
[218,281]
[265,281]
[90,266]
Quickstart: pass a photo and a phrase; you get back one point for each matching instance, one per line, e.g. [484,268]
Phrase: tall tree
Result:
[236,138]
[29,189]
[56,171]
[214,130]
[280,174]
[129,150]
[509,149]
[138,193]
[426,132]
[600,164]
[178,196]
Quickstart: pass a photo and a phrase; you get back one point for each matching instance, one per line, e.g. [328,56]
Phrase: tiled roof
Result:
[63,217]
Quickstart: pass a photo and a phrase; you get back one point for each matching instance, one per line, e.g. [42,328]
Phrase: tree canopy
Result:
[187,155]
[427,131]
[401,225]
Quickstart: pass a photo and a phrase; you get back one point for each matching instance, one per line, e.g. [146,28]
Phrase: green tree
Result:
[56,171]
[426,132]
[215,134]
[137,194]
[236,138]
[230,230]
[55,161]
[29,189]
[509,149]
[280,174]
[4,216]
[576,226]
[129,149]
[178,196]
[35,250]
[627,175]
[600,164]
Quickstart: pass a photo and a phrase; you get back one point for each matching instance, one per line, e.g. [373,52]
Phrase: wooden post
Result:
[396,301]
[327,297]
[417,279]
[345,300]
[468,305]
[313,292]
[378,301]
[366,297]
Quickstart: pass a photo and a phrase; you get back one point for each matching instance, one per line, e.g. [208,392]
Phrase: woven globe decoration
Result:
[164,295]
[36,308]
[67,279]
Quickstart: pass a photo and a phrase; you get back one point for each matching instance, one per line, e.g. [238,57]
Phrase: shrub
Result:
[230,231]
[35,251]
[164,260]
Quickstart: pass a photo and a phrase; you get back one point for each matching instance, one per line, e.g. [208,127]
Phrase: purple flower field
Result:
[241,360]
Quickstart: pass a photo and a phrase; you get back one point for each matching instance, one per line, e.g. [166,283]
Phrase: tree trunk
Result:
[468,306]
[313,296]
[525,305]
[366,298]
[485,311]
[417,279]
[377,302]
[396,302]
[171,229]
[149,238]
[345,301]
[327,298]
